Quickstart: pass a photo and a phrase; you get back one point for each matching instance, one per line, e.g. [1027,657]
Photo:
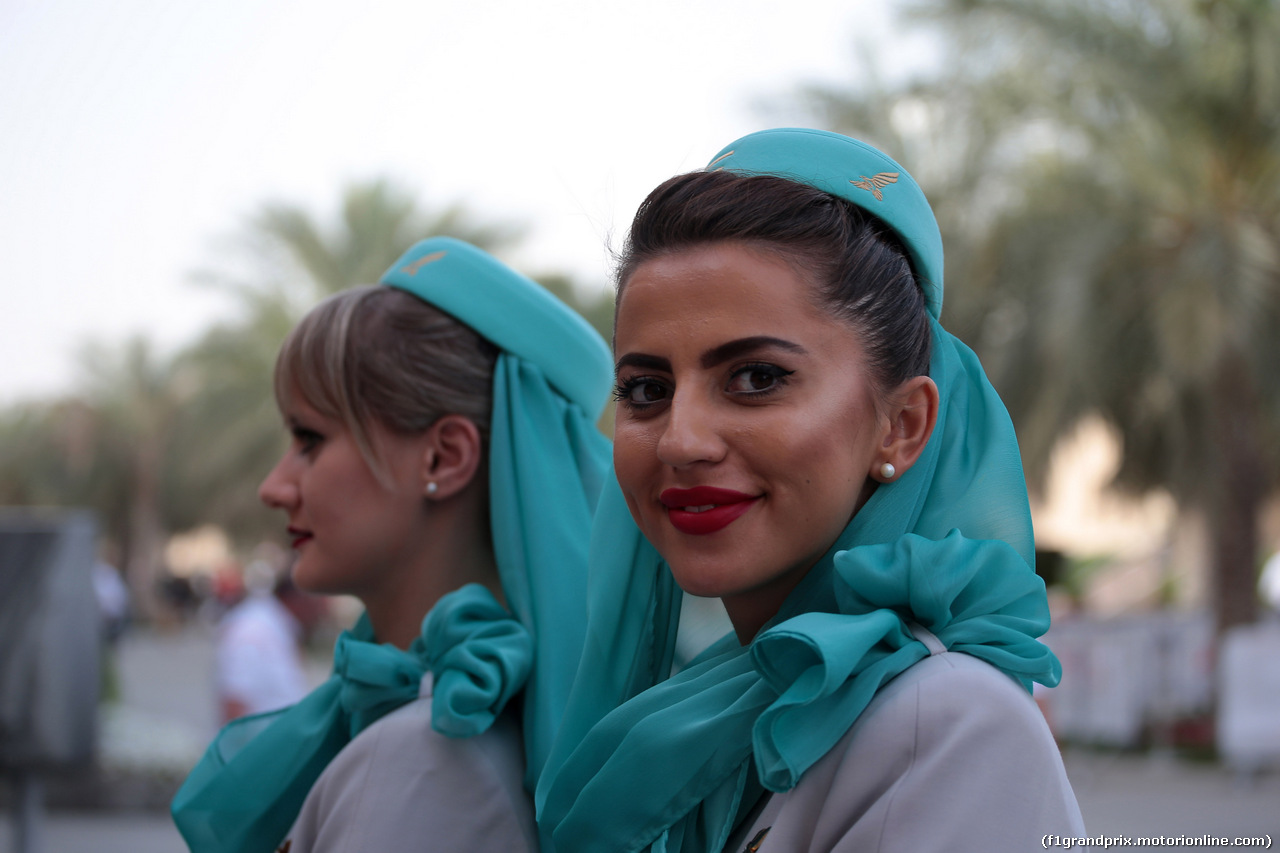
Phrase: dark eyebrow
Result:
[646,362]
[742,346]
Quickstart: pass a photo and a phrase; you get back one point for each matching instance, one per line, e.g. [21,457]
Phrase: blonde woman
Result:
[443,468]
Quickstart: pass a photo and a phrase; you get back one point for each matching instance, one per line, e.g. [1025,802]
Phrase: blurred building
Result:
[1123,554]
[1133,625]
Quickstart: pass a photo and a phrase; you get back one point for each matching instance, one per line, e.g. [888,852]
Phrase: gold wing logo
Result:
[412,269]
[717,160]
[874,183]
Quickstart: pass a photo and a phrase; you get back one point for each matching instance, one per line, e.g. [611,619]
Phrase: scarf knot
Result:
[828,666]
[480,656]
[478,653]
[376,679]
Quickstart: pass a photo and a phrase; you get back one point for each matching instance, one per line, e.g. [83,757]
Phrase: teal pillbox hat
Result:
[512,311]
[855,172]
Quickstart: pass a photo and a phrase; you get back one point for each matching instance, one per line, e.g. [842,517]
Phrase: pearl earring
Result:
[887,470]
[432,487]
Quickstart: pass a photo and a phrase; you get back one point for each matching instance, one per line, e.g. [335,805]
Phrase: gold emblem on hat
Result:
[874,183]
[718,159]
[412,269]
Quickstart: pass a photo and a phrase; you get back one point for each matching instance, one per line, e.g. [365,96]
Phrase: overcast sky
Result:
[137,134]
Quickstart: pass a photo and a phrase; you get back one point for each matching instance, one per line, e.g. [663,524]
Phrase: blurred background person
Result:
[1269,583]
[259,662]
[113,605]
[113,598]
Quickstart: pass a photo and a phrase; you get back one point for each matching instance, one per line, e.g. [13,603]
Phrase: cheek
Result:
[828,449]
[635,464]
[337,491]
[635,453]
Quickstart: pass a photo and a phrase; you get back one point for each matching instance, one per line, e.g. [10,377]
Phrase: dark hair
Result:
[379,354]
[857,263]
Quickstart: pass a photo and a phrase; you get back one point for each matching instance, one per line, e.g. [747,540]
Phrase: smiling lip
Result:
[704,509]
[299,537]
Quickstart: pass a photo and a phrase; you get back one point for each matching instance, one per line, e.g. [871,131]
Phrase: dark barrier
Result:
[50,635]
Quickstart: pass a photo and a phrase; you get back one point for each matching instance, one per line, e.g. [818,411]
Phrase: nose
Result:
[279,490]
[690,434]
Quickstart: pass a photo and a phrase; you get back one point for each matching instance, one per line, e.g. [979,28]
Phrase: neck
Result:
[751,610]
[454,549]
[748,615]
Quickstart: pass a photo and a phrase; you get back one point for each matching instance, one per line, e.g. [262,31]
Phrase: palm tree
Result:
[106,448]
[1107,176]
[130,398]
[377,222]
[161,444]
[228,434]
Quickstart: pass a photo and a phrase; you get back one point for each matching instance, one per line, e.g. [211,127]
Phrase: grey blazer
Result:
[401,785]
[950,755]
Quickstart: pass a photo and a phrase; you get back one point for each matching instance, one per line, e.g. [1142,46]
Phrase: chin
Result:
[314,580]
[705,578]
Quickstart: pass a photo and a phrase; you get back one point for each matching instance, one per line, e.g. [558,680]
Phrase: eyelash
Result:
[622,391]
[308,439]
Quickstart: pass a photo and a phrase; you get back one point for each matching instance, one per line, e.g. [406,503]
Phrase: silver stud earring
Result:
[887,470]
[432,487]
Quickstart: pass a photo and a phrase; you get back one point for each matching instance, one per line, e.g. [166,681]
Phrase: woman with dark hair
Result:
[443,469]
[798,436]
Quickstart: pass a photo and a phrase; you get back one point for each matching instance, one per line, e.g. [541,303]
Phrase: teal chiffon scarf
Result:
[547,463]
[647,762]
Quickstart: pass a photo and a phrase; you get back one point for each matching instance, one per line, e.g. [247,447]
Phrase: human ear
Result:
[452,456]
[912,416]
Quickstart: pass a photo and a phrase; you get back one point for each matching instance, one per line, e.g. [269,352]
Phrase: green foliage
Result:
[377,223]
[595,306]
[49,455]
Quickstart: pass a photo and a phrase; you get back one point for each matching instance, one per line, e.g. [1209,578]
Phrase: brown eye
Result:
[757,379]
[647,392]
[641,391]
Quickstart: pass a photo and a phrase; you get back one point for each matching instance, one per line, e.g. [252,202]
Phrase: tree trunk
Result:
[146,535]
[1233,552]
[1236,498]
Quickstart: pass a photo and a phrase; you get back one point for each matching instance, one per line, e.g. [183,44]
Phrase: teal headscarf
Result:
[648,762]
[547,463]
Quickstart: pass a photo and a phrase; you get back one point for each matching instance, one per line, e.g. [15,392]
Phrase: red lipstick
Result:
[299,536]
[704,509]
